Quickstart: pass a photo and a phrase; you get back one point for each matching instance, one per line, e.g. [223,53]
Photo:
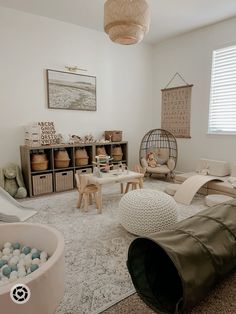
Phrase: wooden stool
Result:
[87,192]
[116,167]
[135,183]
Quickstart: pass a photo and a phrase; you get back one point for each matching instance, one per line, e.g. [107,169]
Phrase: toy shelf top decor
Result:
[40,134]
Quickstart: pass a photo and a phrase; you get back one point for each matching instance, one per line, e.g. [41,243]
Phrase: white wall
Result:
[30,44]
[191,56]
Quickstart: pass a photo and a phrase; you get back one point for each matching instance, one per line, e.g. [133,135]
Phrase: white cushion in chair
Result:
[163,169]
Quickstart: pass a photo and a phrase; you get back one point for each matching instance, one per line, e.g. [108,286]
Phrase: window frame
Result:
[209,131]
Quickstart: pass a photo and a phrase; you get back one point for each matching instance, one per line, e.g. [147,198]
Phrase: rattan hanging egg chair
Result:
[158,152]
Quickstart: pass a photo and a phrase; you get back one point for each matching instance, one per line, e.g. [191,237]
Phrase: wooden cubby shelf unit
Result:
[61,179]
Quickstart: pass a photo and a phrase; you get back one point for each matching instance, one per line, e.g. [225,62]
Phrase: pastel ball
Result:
[18,260]
[36,255]
[2,262]
[36,261]
[16,246]
[7,245]
[33,267]
[21,273]
[6,257]
[14,267]
[6,251]
[43,255]
[13,260]
[26,250]
[6,271]
[13,273]
[16,252]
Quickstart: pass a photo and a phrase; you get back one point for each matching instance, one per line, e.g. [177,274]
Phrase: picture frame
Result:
[71,91]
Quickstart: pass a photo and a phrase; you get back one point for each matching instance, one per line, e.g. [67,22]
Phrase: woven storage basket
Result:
[64,181]
[39,162]
[61,159]
[59,163]
[81,157]
[38,157]
[117,153]
[101,151]
[84,170]
[42,184]
[114,136]
[39,166]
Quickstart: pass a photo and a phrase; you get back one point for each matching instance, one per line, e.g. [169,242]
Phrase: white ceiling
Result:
[169,17]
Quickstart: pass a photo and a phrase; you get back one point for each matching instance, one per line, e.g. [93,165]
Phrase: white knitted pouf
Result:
[146,211]
[216,199]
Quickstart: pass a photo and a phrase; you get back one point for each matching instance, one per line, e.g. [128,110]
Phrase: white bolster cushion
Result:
[216,168]
[233,170]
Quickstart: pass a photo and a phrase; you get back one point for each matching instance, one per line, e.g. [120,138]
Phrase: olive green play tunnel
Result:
[173,270]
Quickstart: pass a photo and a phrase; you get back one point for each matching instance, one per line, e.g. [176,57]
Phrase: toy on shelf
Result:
[89,138]
[41,134]
[121,167]
[102,163]
[102,139]
[75,139]
[48,133]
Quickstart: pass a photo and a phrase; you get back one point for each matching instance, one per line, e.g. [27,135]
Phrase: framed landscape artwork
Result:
[71,91]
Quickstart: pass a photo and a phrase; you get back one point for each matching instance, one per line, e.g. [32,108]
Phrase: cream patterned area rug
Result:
[96,247]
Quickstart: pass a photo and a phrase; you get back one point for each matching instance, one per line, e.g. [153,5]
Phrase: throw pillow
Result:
[161,161]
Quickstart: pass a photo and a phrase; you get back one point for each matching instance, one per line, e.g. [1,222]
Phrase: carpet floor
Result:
[221,300]
[96,251]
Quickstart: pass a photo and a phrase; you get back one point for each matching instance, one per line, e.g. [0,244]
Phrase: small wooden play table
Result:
[114,176]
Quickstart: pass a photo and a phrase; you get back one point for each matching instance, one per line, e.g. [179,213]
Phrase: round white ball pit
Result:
[46,283]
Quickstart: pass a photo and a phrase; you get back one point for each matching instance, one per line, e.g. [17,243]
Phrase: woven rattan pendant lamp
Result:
[126,21]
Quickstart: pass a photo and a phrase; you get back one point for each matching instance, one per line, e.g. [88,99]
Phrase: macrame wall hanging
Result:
[176,108]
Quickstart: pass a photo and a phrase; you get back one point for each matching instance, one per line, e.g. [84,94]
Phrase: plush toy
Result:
[151,160]
[11,180]
[88,138]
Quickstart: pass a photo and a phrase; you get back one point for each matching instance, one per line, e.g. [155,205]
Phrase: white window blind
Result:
[222,112]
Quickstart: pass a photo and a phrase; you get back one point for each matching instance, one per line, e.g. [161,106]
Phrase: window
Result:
[222,112]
